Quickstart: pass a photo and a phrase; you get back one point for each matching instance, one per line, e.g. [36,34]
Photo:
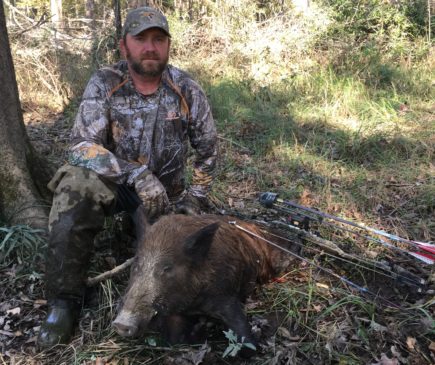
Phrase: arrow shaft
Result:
[421,245]
[341,278]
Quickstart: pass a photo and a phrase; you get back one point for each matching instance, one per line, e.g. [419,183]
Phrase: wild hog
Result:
[195,265]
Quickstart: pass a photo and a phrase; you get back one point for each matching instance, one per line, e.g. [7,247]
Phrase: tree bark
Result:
[56,12]
[23,175]
[90,11]
[131,4]
[11,12]
[116,4]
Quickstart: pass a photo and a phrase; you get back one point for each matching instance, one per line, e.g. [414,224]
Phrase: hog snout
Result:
[126,324]
[125,329]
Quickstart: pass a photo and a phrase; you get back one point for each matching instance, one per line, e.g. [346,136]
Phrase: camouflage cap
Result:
[144,18]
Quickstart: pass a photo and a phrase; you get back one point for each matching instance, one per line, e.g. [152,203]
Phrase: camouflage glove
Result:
[152,193]
[192,205]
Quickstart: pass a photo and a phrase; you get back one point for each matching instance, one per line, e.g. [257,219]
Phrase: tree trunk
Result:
[56,12]
[90,12]
[301,5]
[23,175]
[118,26]
[11,11]
[138,3]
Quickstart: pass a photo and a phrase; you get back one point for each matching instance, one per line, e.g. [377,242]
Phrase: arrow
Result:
[269,200]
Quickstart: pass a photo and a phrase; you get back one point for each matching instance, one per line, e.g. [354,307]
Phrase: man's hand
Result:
[152,193]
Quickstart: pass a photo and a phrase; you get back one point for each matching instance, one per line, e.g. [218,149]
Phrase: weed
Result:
[234,345]
[20,244]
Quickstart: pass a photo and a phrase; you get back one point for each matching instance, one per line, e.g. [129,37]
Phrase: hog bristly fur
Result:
[196,265]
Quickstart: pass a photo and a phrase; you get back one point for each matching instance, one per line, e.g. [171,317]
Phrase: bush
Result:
[395,18]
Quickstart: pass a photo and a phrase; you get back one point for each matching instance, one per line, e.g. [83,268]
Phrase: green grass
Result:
[20,244]
[337,131]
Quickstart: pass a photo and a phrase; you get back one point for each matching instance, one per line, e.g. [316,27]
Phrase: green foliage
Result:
[417,13]
[362,18]
[234,346]
[20,244]
[40,4]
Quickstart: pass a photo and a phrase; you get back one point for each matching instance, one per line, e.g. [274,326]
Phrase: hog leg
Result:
[178,328]
[231,312]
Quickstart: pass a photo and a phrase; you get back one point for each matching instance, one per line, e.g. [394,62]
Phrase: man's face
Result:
[148,52]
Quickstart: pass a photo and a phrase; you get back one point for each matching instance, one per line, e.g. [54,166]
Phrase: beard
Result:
[148,65]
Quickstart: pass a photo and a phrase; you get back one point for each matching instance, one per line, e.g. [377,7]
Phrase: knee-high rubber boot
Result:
[77,215]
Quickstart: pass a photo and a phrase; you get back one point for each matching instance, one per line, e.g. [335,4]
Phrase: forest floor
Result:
[306,317]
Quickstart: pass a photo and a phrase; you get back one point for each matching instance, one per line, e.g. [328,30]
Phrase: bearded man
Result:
[129,149]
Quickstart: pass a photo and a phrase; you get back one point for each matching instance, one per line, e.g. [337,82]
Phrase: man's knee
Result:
[73,185]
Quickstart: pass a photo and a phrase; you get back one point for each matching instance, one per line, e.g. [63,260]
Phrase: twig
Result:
[398,207]
[429,21]
[245,149]
[110,273]
[40,22]
[2,359]
[15,10]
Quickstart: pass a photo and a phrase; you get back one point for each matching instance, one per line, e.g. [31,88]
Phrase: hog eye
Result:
[167,269]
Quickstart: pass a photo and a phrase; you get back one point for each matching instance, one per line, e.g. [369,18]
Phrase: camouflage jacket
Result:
[118,132]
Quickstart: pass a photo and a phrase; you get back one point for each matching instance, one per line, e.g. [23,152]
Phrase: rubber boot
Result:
[59,324]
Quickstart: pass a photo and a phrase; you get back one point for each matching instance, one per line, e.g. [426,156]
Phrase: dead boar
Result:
[195,265]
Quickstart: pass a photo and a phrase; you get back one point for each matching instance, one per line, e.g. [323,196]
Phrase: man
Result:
[129,148]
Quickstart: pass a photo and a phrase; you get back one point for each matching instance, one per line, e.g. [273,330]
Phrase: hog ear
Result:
[198,244]
[140,222]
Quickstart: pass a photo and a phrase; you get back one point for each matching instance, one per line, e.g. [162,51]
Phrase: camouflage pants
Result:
[80,203]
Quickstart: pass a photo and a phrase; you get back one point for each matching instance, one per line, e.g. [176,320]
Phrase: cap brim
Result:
[138,30]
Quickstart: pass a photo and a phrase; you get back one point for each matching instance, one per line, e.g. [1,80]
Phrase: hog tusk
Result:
[110,273]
